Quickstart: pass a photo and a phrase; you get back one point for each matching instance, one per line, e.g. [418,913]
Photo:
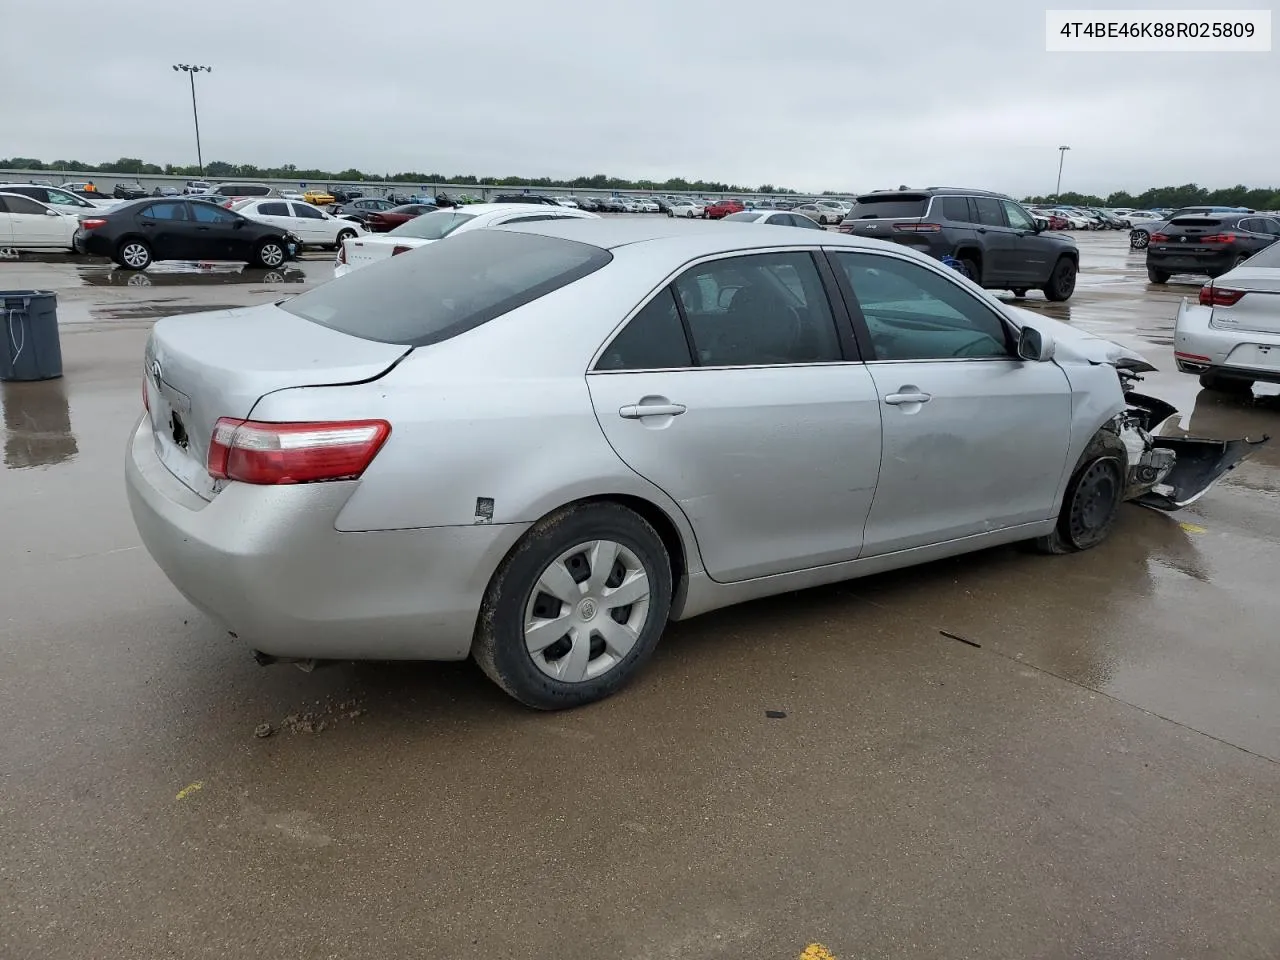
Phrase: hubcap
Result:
[586,611]
[135,255]
[1094,500]
[272,255]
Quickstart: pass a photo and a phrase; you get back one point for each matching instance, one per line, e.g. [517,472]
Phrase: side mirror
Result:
[1035,345]
[1041,224]
[52,213]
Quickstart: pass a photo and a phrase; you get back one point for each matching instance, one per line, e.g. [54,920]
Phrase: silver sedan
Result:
[536,444]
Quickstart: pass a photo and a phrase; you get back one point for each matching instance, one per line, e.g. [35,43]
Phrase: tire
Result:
[1019,292]
[1157,276]
[1138,240]
[343,236]
[1092,499]
[270,254]
[969,267]
[1062,282]
[1211,381]
[565,541]
[1239,261]
[134,255]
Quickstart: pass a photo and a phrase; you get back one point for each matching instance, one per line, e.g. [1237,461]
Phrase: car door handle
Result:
[982,229]
[201,228]
[897,399]
[634,411]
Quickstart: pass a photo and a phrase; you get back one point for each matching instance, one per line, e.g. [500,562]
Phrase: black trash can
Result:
[29,345]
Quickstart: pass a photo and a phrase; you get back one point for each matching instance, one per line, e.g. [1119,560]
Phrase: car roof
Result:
[479,208]
[721,237]
[935,191]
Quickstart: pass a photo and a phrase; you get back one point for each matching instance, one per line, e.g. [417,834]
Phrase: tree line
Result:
[1187,195]
[220,169]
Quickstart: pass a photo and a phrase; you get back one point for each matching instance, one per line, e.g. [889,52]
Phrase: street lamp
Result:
[190,69]
[1062,155]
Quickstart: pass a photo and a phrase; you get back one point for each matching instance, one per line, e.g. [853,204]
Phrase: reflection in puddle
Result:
[188,273]
[37,424]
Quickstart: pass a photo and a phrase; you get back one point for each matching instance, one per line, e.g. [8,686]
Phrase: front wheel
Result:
[576,608]
[1158,276]
[1093,498]
[1062,282]
[271,253]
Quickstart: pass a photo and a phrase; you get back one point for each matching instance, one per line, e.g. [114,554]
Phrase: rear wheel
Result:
[1062,282]
[969,267]
[1158,276]
[576,608]
[1212,381]
[271,253]
[1092,500]
[134,255]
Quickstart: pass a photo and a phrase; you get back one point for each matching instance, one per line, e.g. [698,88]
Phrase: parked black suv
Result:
[998,243]
[1209,245]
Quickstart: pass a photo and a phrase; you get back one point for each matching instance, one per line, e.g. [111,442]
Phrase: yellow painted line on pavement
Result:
[1192,527]
[189,789]
[816,951]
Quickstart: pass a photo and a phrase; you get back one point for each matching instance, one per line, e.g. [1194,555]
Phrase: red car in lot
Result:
[722,208]
[386,220]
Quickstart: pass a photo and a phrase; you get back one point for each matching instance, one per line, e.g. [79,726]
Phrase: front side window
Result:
[1017,217]
[768,308]
[989,213]
[956,209]
[653,340]
[306,212]
[60,199]
[914,313]
[210,213]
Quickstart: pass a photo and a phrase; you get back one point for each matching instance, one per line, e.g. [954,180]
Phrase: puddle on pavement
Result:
[37,424]
[187,274]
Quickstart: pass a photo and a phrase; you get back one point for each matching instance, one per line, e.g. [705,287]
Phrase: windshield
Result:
[432,226]
[444,289]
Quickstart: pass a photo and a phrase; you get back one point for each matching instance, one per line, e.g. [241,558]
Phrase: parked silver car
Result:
[535,444]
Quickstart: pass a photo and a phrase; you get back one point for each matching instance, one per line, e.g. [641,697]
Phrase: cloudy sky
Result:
[812,94]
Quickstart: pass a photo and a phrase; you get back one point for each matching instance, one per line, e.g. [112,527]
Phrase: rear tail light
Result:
[93,223]
[918,227]
[1211,296]
[251,451]
[1218,238]
[400,248]
[1159,237]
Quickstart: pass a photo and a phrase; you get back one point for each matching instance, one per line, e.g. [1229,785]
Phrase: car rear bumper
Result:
[1243,354]
[266,563]
[1176,262]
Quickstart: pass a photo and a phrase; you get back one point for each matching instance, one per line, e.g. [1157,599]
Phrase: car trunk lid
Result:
[1247,298]
[201,367]
[1191,236]
[877,215]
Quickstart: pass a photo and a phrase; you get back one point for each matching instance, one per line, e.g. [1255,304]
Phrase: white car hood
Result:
[1074,345]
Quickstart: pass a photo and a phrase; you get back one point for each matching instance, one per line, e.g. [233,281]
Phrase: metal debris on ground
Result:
[952,636]
[775,714]
[263,730]
[317,721]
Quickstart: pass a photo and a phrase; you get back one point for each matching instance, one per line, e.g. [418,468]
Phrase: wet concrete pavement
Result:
[1099,778]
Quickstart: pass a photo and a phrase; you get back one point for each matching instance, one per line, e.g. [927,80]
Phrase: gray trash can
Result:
[29,345]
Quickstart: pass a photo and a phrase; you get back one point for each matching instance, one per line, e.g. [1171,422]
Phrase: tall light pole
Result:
[191,69]
[1062,155]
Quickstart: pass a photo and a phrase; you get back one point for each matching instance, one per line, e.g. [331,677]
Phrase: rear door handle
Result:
[634,411]
[982,229]
[897,399]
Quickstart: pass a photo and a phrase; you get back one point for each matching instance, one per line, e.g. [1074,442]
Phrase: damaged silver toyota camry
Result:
[536,444]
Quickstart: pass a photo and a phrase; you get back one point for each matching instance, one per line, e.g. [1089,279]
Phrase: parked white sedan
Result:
[687,208]
[430,227]
[27,224]
[309,224]
[1231,339]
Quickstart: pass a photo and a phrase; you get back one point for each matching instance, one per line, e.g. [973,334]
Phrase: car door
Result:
[276,213]
[310,225]
[975,439]
[1034,255]
[167,227]
[220,234]
[34,225]
[734,391]
[999,245]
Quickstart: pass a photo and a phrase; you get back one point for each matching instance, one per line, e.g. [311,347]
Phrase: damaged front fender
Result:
[1169,473]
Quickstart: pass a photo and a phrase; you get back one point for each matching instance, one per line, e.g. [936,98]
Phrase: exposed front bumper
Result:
[267,564]
[1200,348]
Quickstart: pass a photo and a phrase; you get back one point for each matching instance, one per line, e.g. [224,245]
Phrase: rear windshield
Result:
[1195,222]
[745,215]
[445,289]
[896,205]
[1267,257]
[432,226]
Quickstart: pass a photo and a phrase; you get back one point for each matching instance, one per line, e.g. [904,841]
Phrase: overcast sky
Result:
[811,94]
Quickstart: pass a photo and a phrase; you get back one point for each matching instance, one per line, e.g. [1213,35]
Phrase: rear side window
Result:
[273,210]
[893,205]
[956,209]
[445,289]
[989,212]
[21,204]
[653,340]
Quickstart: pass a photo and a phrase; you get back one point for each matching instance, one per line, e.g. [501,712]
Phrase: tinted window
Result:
[913,313]
[536,216]
[306,212]
[955,209]
[21,204]
[1267,257]
[746,215]
[892,205]
[989,213]
[763,309]
[802,221]
[35,193]
[433,226]
[211,213]
[653,340]
[165,211]
[444,289]
[273,209]
[1017,217]
[243,190]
